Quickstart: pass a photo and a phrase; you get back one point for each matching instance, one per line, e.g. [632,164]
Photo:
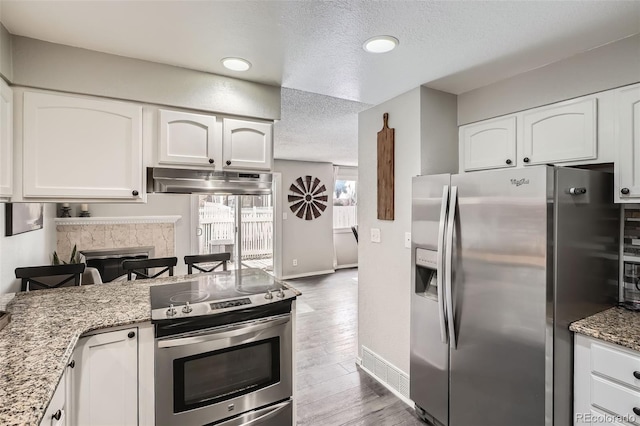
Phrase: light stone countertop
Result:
[45,326]
[616,325]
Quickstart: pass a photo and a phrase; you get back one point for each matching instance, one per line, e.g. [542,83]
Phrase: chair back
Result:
[354,229]
[219,259]
[141,266]
[39,277]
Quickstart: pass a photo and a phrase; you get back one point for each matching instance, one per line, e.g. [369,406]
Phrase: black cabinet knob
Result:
[58,415]
[131,335]
[72,364]
[134,193]
[526,159]
[636,374]
[228,162]
[210,160]
[625,191]
[636,410]
[508,161]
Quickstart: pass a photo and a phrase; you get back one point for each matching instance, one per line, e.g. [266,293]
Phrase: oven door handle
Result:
[224,332]
[269,413]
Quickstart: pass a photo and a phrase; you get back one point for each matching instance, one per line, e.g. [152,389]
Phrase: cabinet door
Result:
[6,140]
[56,414]
[187,138]
[81,148]
[106,379]
[628,139]
[562,132]
[489,144]
[247,145]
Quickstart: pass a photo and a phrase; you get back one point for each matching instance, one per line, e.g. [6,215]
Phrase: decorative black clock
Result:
[307,198]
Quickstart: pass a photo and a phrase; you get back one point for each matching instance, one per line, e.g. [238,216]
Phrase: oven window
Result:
[211,377]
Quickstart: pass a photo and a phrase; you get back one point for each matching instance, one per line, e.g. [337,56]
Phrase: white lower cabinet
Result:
[105,385]
[57,413]
[606,383]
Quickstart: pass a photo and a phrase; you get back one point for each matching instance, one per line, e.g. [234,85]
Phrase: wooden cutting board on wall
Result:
[386,148]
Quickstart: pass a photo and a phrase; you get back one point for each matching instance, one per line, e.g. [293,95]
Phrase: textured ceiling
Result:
[315,46]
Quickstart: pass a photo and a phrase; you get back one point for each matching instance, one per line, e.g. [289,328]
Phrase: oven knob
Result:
[187,308]
[280,293]
[269,295]
[171,311]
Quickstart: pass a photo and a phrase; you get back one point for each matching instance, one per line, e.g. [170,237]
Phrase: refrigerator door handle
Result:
[451,217]
[440,264]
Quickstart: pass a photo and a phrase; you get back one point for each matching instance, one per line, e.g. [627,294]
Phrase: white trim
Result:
[124,220]
[403,398]
[308,274]
[350,265]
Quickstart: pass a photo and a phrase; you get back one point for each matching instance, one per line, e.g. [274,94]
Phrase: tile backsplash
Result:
[98,236]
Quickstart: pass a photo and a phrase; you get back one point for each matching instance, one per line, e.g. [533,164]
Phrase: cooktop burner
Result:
[209,294]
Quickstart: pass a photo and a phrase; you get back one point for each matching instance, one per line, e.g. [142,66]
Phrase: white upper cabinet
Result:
[489,144]
[187,138]
[247,145]
[105,388]
[566,131]
[81,148]
[628,140]
[6,140]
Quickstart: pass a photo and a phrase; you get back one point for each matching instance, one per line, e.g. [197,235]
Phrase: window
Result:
[345,204]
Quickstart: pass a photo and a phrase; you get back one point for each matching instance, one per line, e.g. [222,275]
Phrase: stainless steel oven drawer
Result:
[274,415]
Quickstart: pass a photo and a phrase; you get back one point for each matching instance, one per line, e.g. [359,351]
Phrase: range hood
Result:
[184,181]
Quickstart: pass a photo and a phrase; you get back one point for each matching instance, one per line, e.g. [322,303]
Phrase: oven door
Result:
[210,375]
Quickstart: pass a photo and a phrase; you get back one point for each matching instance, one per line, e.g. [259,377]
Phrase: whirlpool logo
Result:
[518,182]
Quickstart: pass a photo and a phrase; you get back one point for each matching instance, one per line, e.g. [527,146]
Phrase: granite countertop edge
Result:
[614,325]
[37,345]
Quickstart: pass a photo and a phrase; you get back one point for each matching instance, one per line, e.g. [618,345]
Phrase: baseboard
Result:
[350,265]
[386,374]
[308,274]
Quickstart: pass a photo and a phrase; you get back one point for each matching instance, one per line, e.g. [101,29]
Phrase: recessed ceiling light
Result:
[380,44]
[236,64]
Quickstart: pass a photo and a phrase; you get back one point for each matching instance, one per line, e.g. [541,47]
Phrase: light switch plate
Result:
[284,216]
[407,240]
[375,235]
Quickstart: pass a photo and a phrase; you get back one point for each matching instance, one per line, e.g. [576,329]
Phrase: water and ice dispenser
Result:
[426,273]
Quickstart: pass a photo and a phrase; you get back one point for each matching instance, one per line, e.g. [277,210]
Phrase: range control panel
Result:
[426,258]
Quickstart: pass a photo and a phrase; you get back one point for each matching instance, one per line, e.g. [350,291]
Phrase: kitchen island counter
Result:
[616,325]
[45,326]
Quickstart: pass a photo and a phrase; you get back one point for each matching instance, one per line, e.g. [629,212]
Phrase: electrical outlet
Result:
[284,216]
[407,240]
[375,235]
[295,262]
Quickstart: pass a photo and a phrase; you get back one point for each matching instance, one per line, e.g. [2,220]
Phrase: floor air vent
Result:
[385,372]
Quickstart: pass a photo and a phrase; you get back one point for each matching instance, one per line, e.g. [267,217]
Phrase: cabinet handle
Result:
[72,364]
[625,191]
[228,162]
[508,161]
[131,335]
[636,374]
[526,159]
[636,410]
[58,415]
[134,193]
[210,160]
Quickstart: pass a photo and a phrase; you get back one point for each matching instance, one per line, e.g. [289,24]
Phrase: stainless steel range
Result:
[224,350]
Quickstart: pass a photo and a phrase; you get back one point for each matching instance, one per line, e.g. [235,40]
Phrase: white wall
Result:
[29,249]
[426,142]
[308,241]
[158,205]
[384,269]
[606,67]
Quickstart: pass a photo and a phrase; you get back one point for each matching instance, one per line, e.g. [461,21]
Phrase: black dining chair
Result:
[220,259]
[50,276]
[141,267]
[354,229]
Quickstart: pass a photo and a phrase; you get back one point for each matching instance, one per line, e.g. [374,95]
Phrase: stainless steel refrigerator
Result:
[502,262]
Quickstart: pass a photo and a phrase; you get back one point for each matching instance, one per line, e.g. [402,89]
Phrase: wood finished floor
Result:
[331,390]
